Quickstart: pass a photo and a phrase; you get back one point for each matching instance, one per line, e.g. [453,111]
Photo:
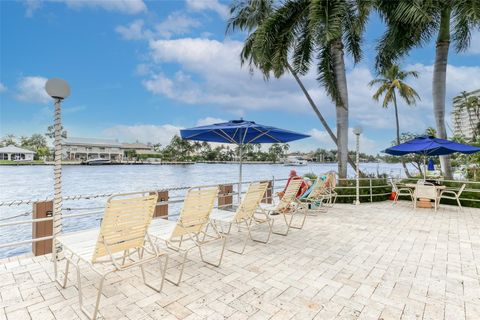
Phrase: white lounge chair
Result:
[189,231]
[246,215]
[121,243]
[289,205]
[452,194]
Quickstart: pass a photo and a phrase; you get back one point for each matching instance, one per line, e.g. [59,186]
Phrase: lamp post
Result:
[58,89]
[357,131]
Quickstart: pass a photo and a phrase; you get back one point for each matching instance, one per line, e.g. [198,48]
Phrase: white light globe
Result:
[357,130]
[57,88]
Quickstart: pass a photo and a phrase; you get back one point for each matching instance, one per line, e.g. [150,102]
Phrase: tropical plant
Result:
[305,29]
[9,139]
[391,82]
[413,23]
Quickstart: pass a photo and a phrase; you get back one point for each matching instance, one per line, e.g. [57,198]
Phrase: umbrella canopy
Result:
[430,146]
[240,132]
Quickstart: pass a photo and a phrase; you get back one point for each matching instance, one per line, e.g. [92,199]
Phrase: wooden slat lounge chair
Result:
[317,198]
[189,231]
[121,243]
[288,206]
[246,216]
[330,195]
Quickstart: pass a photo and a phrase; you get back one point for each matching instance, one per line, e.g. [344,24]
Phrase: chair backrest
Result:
[428,191]
[125,223]
[318,190]
[459,193]
[251,200]
[332,180]
[196,211]
[289,196]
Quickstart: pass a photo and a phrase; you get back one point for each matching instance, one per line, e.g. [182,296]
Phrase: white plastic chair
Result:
[425,190]
[451,194]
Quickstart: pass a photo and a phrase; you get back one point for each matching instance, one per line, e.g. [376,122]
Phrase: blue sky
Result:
[140,70]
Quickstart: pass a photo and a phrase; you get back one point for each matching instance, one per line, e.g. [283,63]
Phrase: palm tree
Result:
[412,23]
[306,29]
[391,82]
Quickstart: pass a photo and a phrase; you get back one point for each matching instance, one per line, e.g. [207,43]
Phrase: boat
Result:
[97,161]
[295,161]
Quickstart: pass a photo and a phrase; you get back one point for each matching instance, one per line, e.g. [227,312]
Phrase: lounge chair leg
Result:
[270,229]
[65,279]
[162,274]
[244,241]
[80,294]
[288,226]
[303,221]
[181,270]
[224,240]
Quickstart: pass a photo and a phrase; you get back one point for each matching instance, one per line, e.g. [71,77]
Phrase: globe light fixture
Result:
[58,89]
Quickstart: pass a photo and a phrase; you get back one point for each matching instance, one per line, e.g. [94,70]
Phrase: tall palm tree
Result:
[298,26]
[412,23]
[391,82]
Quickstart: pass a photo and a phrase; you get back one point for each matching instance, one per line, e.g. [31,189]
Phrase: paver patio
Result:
[375,261]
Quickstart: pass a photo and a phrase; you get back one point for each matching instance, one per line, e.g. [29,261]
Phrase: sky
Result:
[141,70]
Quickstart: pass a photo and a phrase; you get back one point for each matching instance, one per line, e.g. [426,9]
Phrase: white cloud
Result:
[32,89]
[222,80]
[31,6]
[134,31]
[3,88]
[212,5]
[209,120]
[146,133]
[176,23]
[474,43]
[122,6]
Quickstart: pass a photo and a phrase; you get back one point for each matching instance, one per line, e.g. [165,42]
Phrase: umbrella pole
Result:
[424,168]
[240,154]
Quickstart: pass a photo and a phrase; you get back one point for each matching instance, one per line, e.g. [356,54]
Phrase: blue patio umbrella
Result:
[430,146]
[431,165]
[240,132]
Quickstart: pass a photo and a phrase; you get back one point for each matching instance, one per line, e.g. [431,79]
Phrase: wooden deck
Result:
[375,261]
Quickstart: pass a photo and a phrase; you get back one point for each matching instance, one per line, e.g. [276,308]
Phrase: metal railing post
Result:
[371,190]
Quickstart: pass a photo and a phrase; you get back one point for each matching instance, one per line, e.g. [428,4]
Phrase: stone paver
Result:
[375,261]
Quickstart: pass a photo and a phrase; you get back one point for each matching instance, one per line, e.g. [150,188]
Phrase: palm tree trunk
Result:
[341,106]
[407,173]
[317,112]
[439,84]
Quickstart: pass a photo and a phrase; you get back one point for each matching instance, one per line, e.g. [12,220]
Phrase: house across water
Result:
[14,153]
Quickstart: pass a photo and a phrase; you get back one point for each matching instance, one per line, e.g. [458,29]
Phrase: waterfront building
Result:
[465,120]
[138,148]
[90,148]
[14,153]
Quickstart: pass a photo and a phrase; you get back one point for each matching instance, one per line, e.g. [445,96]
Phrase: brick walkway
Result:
[371,262]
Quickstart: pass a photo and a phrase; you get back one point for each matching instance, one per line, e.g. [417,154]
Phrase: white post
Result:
[240,155]
[357,131]
[57,200]
[58,89]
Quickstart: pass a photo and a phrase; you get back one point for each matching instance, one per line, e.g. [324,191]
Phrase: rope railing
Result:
[175,199]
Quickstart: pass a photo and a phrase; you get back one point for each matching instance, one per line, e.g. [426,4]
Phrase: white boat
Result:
[295,161]
[97,161]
